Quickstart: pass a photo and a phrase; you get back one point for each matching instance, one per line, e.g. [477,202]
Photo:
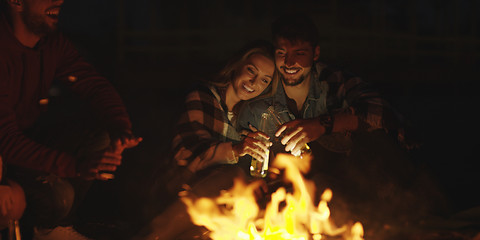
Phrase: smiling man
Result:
[35,20]
[351,130]
[54,163]
[320,100]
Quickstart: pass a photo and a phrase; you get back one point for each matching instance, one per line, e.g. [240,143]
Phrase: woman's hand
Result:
[255,144]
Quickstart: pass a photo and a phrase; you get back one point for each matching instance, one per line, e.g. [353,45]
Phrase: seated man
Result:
[342,119]
[53,160]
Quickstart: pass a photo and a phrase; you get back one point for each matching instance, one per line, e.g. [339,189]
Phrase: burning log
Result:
[235,214]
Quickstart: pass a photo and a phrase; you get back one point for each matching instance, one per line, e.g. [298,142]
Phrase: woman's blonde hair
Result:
[229,71]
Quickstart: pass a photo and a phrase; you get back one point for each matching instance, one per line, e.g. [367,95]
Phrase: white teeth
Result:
[53,12]
[291,71]
[247,88]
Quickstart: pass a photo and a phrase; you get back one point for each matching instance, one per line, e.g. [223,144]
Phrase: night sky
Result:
[422,55]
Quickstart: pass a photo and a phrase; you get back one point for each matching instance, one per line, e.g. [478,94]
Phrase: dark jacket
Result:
[26,75]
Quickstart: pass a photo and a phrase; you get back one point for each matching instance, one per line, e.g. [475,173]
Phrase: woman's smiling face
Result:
[253,77]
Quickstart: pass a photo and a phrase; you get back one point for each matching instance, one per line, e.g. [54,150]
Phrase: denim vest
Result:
[314,106]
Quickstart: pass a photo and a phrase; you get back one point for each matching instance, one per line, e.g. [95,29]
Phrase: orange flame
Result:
[236,215]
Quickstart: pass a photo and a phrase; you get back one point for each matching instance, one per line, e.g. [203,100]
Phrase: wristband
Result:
[327,123]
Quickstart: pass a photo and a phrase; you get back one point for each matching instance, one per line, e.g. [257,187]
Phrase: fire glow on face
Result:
[236,215]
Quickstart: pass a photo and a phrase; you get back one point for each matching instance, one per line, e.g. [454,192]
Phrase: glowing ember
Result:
[236,215]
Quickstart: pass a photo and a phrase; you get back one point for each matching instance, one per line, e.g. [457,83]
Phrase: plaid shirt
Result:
[332,90]
[351,93]
[203,134]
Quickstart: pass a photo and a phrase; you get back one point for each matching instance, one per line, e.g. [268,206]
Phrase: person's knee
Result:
[50,203]
[63,196]
[19,203]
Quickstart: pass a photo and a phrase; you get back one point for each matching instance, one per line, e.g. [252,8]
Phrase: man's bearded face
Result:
[41,16]
[294,60]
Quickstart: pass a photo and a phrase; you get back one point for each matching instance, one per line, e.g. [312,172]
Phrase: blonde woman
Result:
[206,134]
[206,144]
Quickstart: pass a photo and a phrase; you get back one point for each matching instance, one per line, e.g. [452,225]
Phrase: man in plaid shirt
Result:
[320,100]
[347,125]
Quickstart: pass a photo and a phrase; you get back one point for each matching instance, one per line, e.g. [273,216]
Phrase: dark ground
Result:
[438,93]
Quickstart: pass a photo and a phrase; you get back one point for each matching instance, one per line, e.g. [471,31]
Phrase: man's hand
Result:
[299,132]
[103,161]
[123,141]
[119,145]
[108,160]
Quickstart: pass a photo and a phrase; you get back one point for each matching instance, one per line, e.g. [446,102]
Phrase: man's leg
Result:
[49,199]
[53,201]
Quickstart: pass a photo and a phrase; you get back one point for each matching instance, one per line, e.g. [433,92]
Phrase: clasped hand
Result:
[107,160]
[255,144]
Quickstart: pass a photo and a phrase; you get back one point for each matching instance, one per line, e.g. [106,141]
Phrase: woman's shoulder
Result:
[200,92]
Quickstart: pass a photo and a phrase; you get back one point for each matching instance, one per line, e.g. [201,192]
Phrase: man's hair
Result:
[295,27]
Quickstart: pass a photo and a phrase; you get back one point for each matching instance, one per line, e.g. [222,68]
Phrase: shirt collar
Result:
[316,87]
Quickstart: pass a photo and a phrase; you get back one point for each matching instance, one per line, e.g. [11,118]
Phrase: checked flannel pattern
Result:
[202,128]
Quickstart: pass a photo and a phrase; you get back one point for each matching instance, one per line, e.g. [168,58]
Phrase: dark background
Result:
[423,55]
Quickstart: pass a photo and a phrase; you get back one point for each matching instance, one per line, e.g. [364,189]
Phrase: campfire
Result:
[290,214]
